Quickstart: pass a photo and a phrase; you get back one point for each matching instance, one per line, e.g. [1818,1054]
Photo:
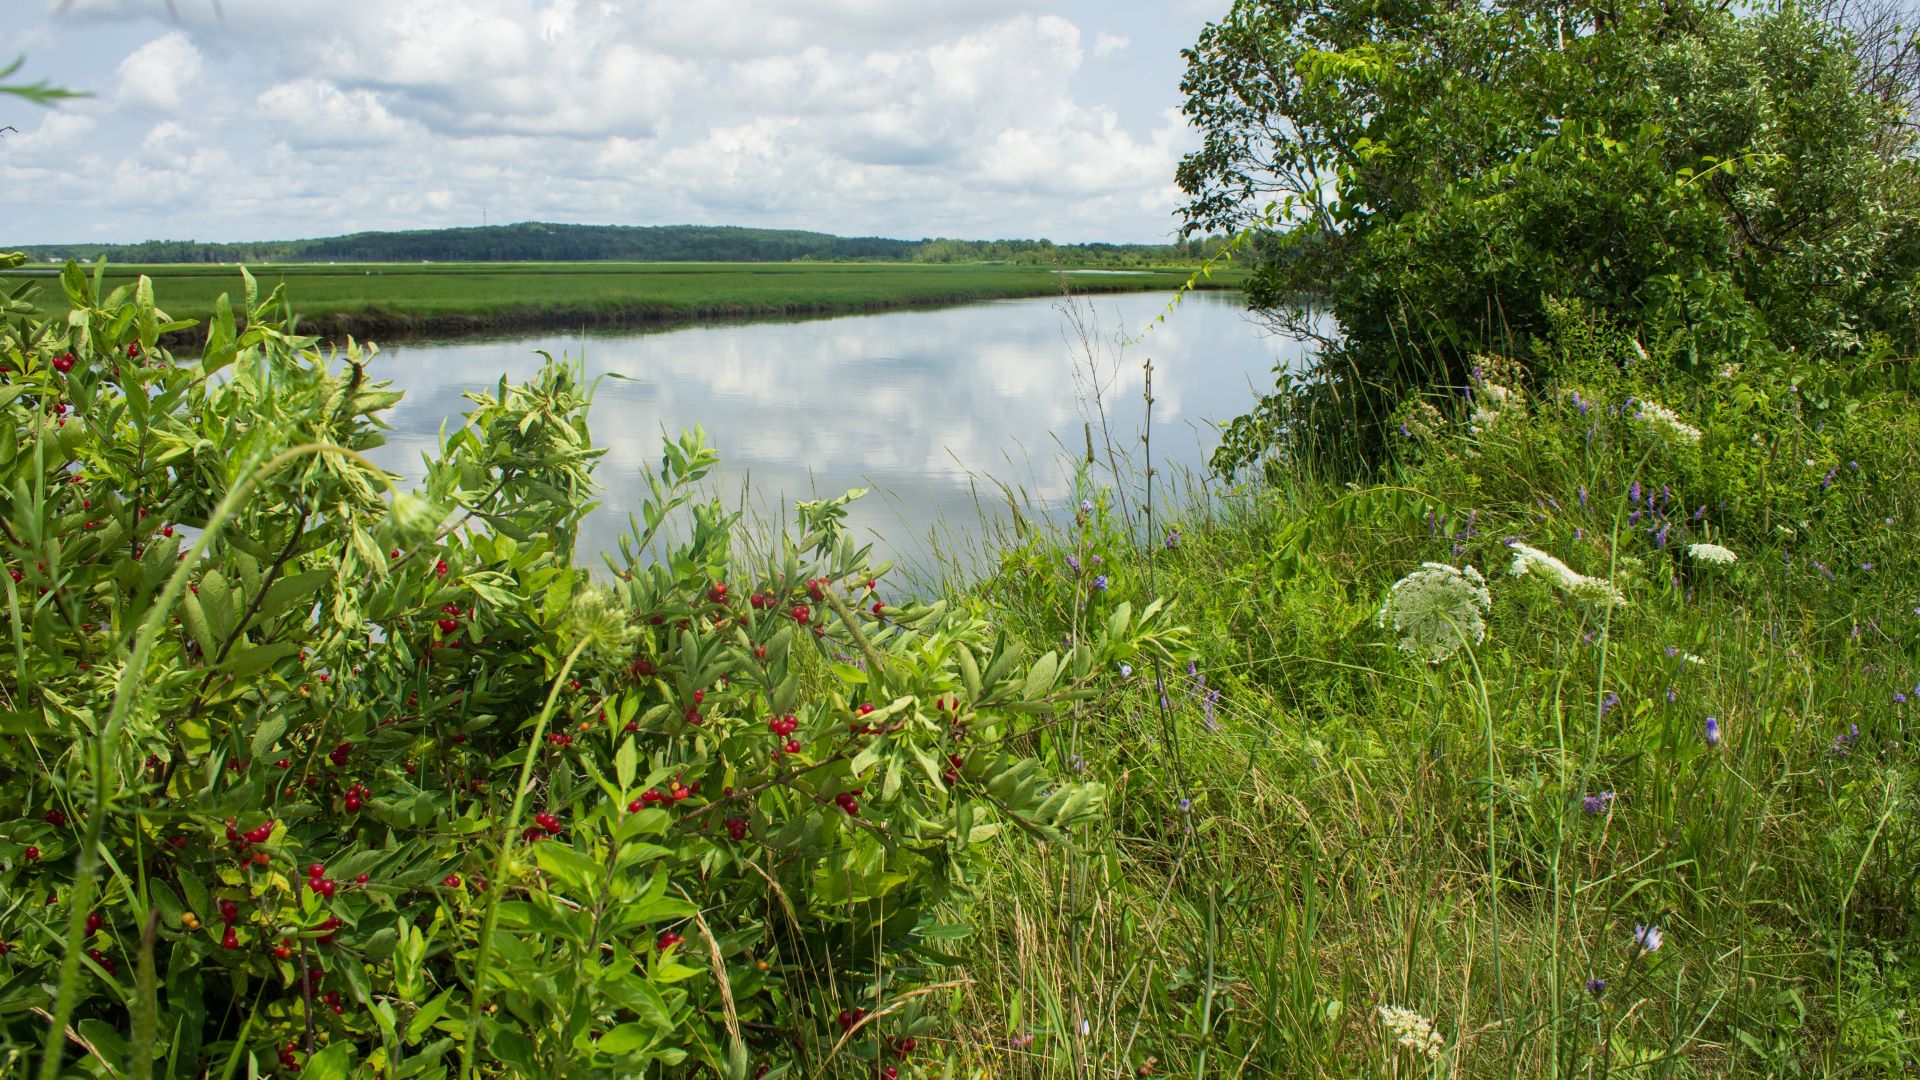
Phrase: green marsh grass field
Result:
[438,298]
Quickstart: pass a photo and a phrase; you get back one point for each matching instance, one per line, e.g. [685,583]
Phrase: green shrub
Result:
[303,778]
[1714,178]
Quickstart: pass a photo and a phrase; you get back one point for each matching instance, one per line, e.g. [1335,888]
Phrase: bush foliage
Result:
[304,776]
[1716,179]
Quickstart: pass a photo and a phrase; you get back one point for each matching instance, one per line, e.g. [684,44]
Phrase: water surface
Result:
[927,407]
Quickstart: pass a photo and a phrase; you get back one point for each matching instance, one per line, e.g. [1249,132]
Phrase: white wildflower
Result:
[1491,401]
[1692,659]
[1712,553]
[1411,1030]
[1437,609]
[1596,591]
[1666,423]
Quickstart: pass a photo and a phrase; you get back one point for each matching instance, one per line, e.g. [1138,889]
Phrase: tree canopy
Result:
[1433,174]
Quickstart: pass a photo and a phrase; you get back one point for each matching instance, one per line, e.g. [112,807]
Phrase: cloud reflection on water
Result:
[922,406]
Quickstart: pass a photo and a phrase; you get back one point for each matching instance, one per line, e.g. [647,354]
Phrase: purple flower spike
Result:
[1712,733]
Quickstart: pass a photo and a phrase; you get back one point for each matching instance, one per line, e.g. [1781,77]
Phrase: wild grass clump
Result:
[1654,818]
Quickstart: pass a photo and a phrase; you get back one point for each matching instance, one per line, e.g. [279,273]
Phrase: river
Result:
[933,410]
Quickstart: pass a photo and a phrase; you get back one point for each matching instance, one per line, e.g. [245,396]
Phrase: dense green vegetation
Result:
[1542,705]
[1720,179]
[534,241]
[1309,821]
[315,779]
[394,299]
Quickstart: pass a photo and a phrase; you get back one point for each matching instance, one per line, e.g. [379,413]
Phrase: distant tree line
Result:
[541,242]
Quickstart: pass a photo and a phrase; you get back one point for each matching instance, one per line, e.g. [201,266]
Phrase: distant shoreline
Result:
[395,302]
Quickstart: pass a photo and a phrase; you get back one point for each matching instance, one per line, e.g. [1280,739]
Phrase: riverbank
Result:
[395,301]
[1518,830]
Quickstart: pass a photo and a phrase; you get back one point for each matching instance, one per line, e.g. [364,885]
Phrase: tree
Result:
[1432,174]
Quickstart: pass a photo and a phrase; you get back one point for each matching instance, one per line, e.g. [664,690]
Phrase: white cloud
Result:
[311,113]
[941,117]
[157,74]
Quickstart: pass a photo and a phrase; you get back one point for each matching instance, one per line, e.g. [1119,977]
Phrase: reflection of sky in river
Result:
[922,406]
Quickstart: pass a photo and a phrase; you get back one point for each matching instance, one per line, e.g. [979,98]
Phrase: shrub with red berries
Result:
[372,743]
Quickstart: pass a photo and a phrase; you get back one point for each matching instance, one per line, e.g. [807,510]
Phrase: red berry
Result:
[94,922]
[451,881]
[317,870]
[325,887]
[737,828]
[448,626]
[166,530]
[283,950]
[230,940]
[283,763]
[792,746]
[352,802]
[865,709]
[360,879]
[440,568]
[636,806]
[63,363]
[669,939]
[801,614]
[31,853]
[54,818]
[229,911]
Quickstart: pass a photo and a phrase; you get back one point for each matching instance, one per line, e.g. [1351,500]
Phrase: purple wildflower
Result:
[1633,493]
[1100,582]
[1647,938]
[1583,496]
[1595,805]
[1607,703]
[1173,539]
[1660,538]
[1073,564]
[1712,733]
[1212,699]
[1596,986]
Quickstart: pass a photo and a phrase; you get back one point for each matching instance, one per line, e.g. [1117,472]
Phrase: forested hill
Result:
[542,242]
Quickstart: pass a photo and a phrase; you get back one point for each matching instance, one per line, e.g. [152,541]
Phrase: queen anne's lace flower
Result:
[1666,423]
[1596,591]
[1437,609]
[1411,1030]
[1712,553]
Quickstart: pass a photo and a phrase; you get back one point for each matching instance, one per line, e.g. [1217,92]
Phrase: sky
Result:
[281,119]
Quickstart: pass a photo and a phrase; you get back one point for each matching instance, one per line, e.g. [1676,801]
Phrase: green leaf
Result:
[288,591]
[269,731]
[329,1064]
[243,661]
[423,1020]
[1040,677]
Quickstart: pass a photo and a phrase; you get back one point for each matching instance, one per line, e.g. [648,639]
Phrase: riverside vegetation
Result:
[308,780]
[1540,702]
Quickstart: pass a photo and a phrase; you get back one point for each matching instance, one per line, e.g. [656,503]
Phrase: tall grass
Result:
[1314,825]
